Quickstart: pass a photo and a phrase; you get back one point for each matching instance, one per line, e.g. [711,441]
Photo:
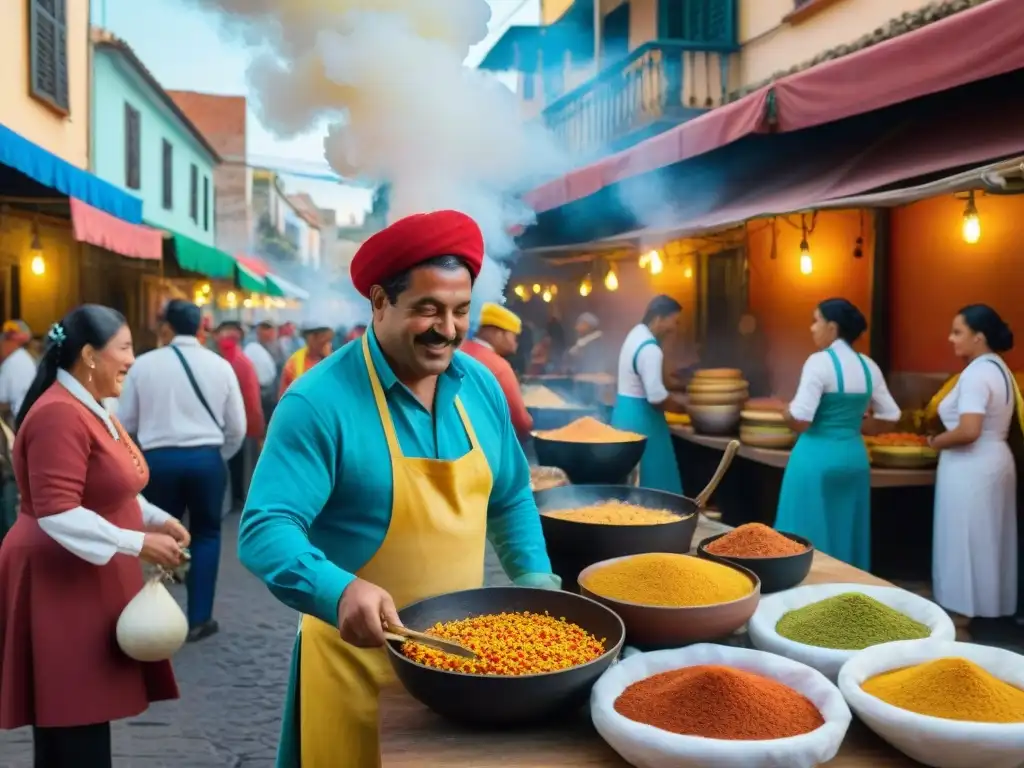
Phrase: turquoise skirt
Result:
[658,468]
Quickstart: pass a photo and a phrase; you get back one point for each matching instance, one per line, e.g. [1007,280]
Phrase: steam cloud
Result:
[389,75]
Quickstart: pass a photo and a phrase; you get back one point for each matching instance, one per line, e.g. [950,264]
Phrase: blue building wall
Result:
[117,83]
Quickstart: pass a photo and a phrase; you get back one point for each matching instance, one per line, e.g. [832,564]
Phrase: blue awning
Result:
[47,169]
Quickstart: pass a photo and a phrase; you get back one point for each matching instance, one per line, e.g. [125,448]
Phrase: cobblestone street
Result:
[232,686]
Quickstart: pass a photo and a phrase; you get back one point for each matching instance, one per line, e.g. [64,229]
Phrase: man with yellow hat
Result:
[496,340]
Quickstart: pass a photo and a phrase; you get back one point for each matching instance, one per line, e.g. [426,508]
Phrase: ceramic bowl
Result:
[775,573]
[714,419]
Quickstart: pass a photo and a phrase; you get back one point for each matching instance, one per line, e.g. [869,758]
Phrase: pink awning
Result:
[711,130]
[96,227]
[253,264]
[968,46]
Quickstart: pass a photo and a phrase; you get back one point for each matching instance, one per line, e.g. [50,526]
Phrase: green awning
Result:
[281,288]
[204,259]
[248,280]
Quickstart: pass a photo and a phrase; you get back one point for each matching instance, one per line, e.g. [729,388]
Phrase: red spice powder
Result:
[755,540]
[719,702]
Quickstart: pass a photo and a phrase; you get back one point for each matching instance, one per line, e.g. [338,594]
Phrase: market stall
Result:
[413,736]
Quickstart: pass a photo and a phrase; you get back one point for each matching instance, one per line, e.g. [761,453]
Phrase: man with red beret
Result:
[386,469]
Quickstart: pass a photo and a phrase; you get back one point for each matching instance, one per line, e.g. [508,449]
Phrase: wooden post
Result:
[598,26]
[880,330]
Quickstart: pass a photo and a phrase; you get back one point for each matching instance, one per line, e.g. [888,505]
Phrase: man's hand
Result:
[176,531]
[362,612]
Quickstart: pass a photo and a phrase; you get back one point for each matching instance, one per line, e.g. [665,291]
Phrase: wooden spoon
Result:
[730,453]
[403,634]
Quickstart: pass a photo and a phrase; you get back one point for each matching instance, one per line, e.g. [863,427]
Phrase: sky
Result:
[183,48]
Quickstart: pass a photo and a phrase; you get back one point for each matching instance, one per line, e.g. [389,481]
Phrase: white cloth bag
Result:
[936,741]
[645,746]
[828,661]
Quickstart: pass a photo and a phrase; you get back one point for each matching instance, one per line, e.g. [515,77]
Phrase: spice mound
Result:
[589,430]
[510,644]
[615,513]
[718,702]
[849,622]
[954,689]
[537,396]
[755,540]
[674,581]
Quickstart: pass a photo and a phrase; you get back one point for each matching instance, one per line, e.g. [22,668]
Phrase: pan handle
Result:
[730,453]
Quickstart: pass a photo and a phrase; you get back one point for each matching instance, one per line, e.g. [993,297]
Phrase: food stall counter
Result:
[413,736]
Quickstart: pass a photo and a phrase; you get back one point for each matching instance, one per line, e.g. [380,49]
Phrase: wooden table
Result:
[412,736]
[880,477]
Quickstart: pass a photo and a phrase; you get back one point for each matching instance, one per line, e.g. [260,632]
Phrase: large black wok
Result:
[572,546]
[584,463]
[492,700]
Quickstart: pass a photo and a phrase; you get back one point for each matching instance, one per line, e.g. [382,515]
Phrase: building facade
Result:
[143,143]
[222,121]
[287,230]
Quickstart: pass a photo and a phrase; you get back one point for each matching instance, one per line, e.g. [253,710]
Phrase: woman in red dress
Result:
[70,563]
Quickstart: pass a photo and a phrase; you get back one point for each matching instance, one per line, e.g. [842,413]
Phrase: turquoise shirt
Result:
[319,504]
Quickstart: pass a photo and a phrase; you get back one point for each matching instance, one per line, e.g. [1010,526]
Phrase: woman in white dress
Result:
[974,565]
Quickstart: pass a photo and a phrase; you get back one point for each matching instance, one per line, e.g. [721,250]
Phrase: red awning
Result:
[968,46]
[253,264]
[711,130]
[96,227]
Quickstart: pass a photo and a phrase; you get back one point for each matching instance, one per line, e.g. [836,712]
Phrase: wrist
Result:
[130,542]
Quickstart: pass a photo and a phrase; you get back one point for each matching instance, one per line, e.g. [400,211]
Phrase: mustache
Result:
[433,337]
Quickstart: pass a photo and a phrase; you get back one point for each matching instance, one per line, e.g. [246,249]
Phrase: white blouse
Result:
[984,388]
[819,378]
[646,381]
[83,532]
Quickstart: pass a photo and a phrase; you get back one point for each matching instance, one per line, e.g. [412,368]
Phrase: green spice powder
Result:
[849,622]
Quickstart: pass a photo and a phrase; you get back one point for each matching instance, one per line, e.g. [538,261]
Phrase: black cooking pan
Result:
[493,700]
[572,546]
[585,463]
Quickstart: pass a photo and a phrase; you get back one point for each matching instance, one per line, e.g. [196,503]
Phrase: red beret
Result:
[413,240]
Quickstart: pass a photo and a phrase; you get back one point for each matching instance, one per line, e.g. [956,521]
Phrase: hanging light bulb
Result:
[520,291]
[806,265]
[971,224]
[645,259]
[38,264]
[657,265]
[546,296]
[553,289]
[688,273]
[536,288]
[586,286]
[611,280]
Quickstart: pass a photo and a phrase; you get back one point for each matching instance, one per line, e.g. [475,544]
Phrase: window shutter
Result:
[206,203]
[132,147]
[49,52]
[193,193]
[168,168]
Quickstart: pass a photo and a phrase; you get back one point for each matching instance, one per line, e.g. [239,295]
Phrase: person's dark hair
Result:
[88,324]
[184,317]
[393,286]
[848,319]
[661,306]
[981,318]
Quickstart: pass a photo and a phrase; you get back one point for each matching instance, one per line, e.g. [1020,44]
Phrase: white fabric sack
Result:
[152,627]
[648,747]
[936,741]
[828,661]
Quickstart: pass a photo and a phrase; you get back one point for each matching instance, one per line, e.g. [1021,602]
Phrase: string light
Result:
[546,295]
[520,291]
[657,265]
[611,280]
[688,273]
[38,264]
[553,289]
[586,286]
[536,288]
[806,264]
[971,223]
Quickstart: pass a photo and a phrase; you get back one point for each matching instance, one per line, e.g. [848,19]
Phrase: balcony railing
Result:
[658,85]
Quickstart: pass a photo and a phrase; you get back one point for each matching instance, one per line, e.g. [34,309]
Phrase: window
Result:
[193,193]
[698,21]
[168,165]
[48,44]
[132,147]
[206,203]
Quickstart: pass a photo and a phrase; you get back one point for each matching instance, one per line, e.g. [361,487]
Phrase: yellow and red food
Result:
[899,440]
[510,644]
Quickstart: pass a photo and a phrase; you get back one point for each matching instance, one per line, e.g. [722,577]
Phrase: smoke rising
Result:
[403,108]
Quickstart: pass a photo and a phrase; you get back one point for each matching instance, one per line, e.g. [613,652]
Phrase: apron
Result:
[435,544]
[826,489]
[658,468]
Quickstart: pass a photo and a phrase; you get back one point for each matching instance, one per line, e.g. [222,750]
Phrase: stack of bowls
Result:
[716,397]
[762,425]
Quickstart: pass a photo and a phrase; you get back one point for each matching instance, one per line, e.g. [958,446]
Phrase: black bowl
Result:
[493,700]
[553,418]
[775,573]
[572,546]
[590,463]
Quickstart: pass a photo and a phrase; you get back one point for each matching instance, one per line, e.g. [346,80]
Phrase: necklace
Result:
[129,446]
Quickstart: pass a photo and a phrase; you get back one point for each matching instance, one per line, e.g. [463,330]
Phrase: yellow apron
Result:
[435,544]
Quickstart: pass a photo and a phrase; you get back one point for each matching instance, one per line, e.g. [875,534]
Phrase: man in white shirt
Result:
[588,354]
[18,369]
[184,404]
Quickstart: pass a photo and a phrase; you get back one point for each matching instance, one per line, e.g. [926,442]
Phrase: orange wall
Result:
[934,273]
[783,299]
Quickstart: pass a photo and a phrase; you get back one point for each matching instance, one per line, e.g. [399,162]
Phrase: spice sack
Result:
[646,746]
[936,741]
[828,661]
[152,627]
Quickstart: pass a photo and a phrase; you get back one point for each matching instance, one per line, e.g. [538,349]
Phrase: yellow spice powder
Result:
[589,430]
[951,688]
[615,513]
[669,580]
